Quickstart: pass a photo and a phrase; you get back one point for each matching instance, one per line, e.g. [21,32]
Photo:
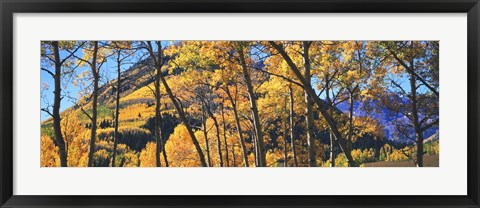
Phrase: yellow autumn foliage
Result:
[49,153]
[180,149]
[140,111]
[147,155]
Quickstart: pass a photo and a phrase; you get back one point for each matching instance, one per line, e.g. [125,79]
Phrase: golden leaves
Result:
[49,153]
[147,155]
[180,149]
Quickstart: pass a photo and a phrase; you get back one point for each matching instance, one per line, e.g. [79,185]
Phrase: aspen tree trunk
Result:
[207,146]
[66,146]
[164,151]
[217,129]
[158,119]
[285,147]
[183,118]
[225,136]
[292,124]
[117,111]
[56,107]
[285,134]
[312,160]
[416,125]
[234,160]
[332,138]
[419,149]
[239,128]
[255,147]
[332,150]
[322,107]
[93,135]
[350,122]
[165,154]
[254,109]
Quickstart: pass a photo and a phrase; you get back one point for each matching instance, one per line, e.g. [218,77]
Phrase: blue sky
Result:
[108,72]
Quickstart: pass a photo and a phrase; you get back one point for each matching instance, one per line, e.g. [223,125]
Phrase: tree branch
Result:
[71,53]
[409,69]
[85,112]
[424,128]
[47,111]
[48,71]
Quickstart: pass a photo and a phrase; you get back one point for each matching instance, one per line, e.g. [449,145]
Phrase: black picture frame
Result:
[9,7]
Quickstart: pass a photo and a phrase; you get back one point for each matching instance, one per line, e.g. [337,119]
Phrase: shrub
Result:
[49,153]
[147,155]
[180,149]
[326,163]
[341,160]
[397,155]
[432,148]
[359,156]
[78,150]
[275,158]
[101,158]
[130,160]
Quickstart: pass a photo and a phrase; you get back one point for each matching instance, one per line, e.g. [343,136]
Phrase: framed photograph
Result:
[271,103]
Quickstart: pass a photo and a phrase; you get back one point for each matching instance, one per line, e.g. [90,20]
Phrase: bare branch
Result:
[426,127]
[409,69]
[47,111]
[281,76]
[48,71]
[71,53]
[85,112]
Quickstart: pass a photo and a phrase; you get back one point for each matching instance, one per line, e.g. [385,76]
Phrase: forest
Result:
[239,103]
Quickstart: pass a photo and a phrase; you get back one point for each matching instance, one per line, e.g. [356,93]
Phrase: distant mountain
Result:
[386,117]
[434,137]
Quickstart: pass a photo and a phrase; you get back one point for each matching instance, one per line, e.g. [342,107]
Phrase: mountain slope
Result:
[386,117]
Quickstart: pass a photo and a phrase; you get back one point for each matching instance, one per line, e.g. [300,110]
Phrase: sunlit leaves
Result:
[147,155]
[49,156]
[180,149]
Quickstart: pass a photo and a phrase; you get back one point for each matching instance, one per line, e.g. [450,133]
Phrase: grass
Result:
[102,113]
[428,160]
